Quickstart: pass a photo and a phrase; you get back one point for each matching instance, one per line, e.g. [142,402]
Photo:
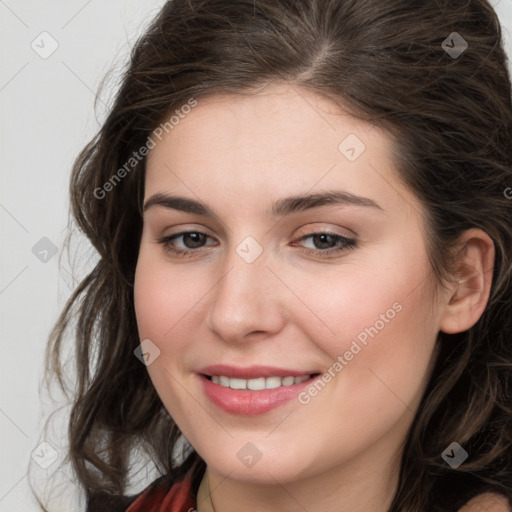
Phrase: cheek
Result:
[384,291]
[377,322]
[163,308]
[163,297]
[154,300]
[377,391]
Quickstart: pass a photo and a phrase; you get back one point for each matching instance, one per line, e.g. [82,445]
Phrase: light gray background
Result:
[47,116]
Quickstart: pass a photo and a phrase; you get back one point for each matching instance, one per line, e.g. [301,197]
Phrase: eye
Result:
[322,244]
[185,243]
[326,243]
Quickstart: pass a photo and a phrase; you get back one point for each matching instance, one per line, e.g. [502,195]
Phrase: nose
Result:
[247,301]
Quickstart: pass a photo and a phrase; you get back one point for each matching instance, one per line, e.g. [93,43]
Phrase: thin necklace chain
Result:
[210,493]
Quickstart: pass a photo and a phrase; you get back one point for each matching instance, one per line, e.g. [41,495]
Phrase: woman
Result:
[304,237]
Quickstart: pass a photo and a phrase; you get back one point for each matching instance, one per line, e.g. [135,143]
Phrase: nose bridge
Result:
[246,298]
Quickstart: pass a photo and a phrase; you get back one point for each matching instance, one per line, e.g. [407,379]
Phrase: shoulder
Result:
[487,502]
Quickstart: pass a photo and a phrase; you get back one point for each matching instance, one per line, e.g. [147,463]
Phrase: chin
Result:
[262,466]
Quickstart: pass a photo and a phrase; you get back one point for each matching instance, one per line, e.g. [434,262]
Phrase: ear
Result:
[467,297]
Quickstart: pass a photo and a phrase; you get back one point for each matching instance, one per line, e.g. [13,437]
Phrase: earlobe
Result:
[468,296]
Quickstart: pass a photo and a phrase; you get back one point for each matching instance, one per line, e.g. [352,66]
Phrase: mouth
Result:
[253,390]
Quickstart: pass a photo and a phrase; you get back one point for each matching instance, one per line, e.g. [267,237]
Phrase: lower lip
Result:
[251,403]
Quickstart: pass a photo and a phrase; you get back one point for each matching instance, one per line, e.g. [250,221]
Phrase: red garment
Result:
[158,498]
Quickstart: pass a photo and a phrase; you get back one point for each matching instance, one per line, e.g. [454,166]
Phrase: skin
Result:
[293,309]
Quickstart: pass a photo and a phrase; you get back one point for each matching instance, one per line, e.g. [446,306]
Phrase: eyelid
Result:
[322,227]
[184,228]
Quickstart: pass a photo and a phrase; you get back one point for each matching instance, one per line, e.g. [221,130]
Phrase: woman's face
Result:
[306,259]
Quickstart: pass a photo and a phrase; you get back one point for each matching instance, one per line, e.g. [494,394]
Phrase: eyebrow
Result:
[281,207]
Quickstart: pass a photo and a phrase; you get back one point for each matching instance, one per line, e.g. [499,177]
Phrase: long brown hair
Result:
[395,63]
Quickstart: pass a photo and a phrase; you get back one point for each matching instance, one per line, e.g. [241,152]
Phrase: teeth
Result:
[288,381]
[258,383]
[238,383]
[272,382]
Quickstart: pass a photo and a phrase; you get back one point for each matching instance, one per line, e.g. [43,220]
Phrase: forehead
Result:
[280,141]
[279,116]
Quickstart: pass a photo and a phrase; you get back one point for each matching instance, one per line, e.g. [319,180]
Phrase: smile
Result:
[254,390]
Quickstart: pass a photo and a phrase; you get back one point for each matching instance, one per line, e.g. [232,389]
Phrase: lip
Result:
[251,403]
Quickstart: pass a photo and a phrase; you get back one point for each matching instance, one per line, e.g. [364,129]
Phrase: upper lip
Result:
[251,372]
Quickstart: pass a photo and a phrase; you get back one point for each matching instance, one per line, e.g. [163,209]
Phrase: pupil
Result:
[193,240]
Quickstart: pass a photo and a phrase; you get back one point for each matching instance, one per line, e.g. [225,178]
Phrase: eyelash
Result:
[342,244]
